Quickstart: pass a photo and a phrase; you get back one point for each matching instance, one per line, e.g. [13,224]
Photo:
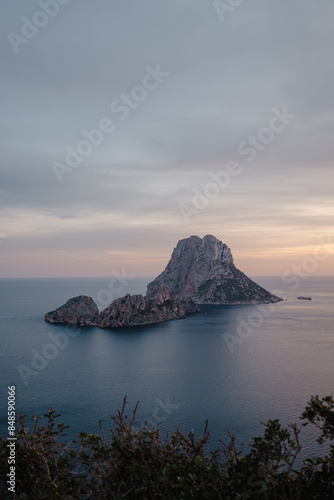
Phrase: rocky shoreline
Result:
[131,310]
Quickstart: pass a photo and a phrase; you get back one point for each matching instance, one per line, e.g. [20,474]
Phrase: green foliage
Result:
[141,465]
[320,412]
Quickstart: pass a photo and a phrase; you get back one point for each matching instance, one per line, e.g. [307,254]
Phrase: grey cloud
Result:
[225,79]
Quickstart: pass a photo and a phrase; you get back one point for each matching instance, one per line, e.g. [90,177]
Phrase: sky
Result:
[127,126]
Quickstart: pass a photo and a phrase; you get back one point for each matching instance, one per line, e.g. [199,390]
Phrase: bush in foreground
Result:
[141,465]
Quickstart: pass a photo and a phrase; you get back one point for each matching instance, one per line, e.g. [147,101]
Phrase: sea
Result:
[235,366]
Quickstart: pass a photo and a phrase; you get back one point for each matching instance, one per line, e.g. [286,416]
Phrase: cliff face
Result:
[134,310]
[203,270]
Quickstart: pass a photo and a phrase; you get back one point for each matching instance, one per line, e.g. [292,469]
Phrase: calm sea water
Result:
[182,372]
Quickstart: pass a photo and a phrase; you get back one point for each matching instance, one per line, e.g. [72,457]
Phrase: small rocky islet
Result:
[200,271]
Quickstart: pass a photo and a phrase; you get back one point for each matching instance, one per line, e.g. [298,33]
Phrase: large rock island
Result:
[200,271]
[203,270]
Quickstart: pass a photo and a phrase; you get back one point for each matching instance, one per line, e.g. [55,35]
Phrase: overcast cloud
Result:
[223,81]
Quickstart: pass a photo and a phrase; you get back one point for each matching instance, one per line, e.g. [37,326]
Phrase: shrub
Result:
[142,465]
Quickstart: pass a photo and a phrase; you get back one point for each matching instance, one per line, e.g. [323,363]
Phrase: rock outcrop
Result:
[200,271]
[304,298]
[80,310]
[134,310]
[131,310]
[203,270]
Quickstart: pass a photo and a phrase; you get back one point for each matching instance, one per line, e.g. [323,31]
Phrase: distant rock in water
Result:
[304,298]
[80,310]
[134,310]
[203,270]
[200,271]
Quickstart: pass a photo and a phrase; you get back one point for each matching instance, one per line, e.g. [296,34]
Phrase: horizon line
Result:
[152,276]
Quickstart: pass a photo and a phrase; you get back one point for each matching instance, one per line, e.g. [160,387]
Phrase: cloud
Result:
[225,78]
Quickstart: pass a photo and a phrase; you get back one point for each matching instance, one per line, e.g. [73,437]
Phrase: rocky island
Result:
[80,310]
[200,271]
[203,270]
